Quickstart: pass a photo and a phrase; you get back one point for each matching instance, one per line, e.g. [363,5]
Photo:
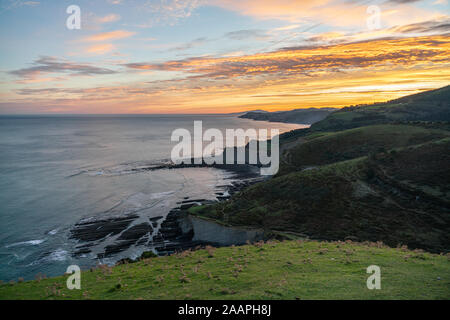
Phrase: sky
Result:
[218,56]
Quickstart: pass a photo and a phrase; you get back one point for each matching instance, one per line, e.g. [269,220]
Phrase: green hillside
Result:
[400,196]
[433,105]
[330,147]
[271,270]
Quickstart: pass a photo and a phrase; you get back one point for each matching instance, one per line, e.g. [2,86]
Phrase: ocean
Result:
[57,171]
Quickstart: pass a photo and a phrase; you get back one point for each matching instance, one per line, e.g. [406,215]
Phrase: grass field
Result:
[293,269]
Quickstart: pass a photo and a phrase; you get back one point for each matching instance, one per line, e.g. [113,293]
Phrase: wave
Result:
[123,168]
[25,243]
[58,255]
[53,232]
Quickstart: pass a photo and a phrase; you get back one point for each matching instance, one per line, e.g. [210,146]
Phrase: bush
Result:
[147,255]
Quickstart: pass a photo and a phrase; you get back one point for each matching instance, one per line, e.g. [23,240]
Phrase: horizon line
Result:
[155,114]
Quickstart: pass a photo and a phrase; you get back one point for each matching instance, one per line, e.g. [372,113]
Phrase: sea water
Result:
[56,171]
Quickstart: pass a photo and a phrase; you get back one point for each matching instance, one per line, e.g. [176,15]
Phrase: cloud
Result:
[112,35]
[330,37]
[45,65]
[28,91]
[100,38]
[31,3]
[234,35]
[100,48]
[190,44]
[432,27]
[308,76]
[91,93]
[36,79]
[109,18]
[313,59]
[94,22]
[402,1]
[6,5]
[440,26]
[247,34]
[351,13]
[166,12]
[11,4]
[289,27]
[344,64]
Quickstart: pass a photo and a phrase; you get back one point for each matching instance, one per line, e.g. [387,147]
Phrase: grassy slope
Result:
[274,270]
[331,147]
[432,105]
[368,198]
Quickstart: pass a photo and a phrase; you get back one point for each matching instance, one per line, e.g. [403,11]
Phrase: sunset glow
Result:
[217,56]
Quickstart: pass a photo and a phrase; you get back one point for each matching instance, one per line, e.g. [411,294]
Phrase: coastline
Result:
[115,223]
[168,234]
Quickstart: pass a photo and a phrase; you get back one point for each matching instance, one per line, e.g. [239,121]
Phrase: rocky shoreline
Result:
[177,232]
[159,235]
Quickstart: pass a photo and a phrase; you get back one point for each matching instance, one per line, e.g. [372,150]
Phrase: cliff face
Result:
[301,116]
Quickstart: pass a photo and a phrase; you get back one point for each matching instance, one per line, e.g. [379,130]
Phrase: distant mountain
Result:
[259,110]
[301,116]
[245,112]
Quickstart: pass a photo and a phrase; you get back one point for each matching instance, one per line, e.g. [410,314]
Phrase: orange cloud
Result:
[109,18]
[314,60]
[39,80]
[314,76]
[113,35]
[100,48]
[329,12]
